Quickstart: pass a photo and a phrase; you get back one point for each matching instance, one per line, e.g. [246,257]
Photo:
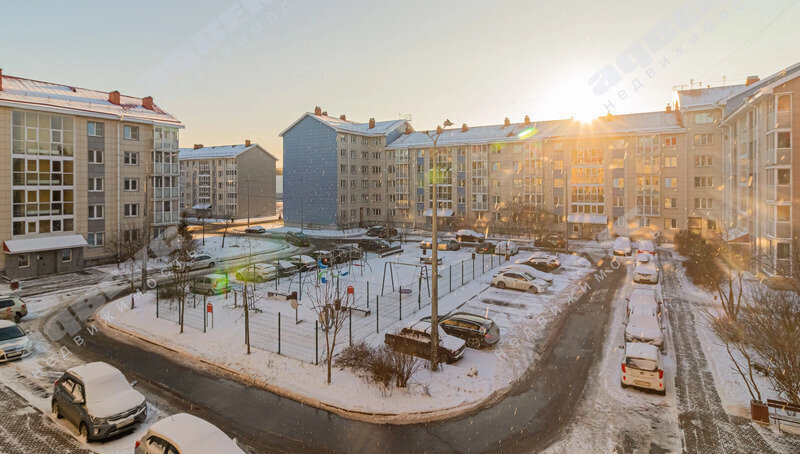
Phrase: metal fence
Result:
[194,314]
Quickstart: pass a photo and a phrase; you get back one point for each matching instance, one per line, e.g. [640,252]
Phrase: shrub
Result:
[356,357]
[381,365]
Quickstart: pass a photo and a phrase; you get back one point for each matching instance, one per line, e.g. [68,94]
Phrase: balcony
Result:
[779,156]
[166,193]
[779,120]
[167,217]
[166,168]
[782,193]
[480,206]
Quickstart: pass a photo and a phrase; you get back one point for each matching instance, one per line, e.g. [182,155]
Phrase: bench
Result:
[789,412]
[364,312]
[395,250]
[427,260]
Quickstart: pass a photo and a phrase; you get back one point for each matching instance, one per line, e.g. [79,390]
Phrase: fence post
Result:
[350,322]
[204,302]
[483,263]
[377,315]
[300,294]
[450,285]
[362,269]
[473,267]
[462,273]
[316,342]
[205,319]
[279,333]
[157,301]
[400,304]
[419,292]
[235,299]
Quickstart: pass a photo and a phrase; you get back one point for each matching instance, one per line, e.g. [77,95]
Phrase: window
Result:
[517,166]
[95,184]
[670,202]
[704,118]
[711,224]
[96,211]
[703,161]
[353,154]
[495,184]
[95,129]
[704,182]
[670,223]
[131,210]
[130,132]
[703,139]
[784,140]
[66,255]
[670,141]
[131,158]
[95,239]
[618,182]
[95,157]
[671,182]
[703,203]
[23,260]
[783,213]
[784,176]
[495,166]
[782,250]
[558,182]
[342,184]
[670,161]
[619,201]
[131,184]
[517,182]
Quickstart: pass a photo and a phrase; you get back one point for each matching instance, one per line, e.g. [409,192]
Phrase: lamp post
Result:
[435,248]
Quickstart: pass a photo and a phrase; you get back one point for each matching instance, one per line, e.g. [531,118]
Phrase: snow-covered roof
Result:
[43,243]
[705,97]
[218,152]
[641,350]
[734,102]
[192,434]
[94,372]
[381,128]
[37,95]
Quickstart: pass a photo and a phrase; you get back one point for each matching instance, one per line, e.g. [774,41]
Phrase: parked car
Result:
[14,342]
[381,231]
[485,248]
[211,284]
[444,244]
[645,247]
[476,330]
[641,368]
[375,245]
[185,434]
[284,267]
[469,236]
[550,242]
[646,273]
[644,326]
[533,272]
[303,262]
[257,272]
[198,262]
[298,239]
[416,340]
[12,308]
[346,252]
[501,247]
[518,280]
[98,399]
[321,256]
[255,229]
[622,246]
[541,261]
[643,257]
[644,298]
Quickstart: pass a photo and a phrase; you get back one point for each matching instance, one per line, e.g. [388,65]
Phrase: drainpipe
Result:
[119,179]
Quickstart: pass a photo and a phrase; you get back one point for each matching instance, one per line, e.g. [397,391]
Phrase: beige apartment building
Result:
[232,181]
[86,167]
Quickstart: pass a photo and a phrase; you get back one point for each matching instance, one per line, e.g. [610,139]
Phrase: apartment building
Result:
[232,181]
[86,166]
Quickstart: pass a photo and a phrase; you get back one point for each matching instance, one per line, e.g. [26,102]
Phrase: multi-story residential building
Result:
[232,181]
[85,166]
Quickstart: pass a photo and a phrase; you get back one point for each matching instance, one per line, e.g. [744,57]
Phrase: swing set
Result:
[392,269]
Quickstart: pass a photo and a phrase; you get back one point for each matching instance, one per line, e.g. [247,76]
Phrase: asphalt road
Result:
[528,419]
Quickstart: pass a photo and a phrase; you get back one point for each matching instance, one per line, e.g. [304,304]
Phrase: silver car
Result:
[12,308]
[14,342]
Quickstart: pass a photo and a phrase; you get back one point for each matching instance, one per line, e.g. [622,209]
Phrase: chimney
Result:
[527,120]
[324,113]
[147,103]
[343,117]
[507,122]
[318,111]
[669,107]
[371,123]
[1,79]
[751,80]
[247,143]
[113,97]
[439,130]
[197,146]
[409,129]
[464,128]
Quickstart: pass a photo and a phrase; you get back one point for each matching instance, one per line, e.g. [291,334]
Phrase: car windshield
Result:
[641,364]
[11,332]
[107,387]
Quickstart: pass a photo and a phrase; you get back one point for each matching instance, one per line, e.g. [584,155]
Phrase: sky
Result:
[232,70]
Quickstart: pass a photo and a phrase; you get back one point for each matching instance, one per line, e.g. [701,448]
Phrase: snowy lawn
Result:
[319,233]
[523,319]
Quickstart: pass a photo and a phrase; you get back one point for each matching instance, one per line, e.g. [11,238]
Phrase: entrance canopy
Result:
[47,243]
[202,206]
[441,213]
[587,218]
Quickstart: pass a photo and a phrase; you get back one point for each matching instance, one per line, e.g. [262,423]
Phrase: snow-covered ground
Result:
[322,233]
[523,319]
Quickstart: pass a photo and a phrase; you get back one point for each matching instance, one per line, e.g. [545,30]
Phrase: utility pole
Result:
[248,202]
[148,173]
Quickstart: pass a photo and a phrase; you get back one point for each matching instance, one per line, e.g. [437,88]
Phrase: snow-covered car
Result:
[646,298]
[641,367]
[550,242]
[622,246]
[541,260]
[478,331]
[502,246]
[381,231]
[646,273]
[185,433]
[645,247]
[255,229]
[346,252]
[643,257]
[644,326]
[416,340]
[211,284]
[536,273]
[98,399]
[12,308]
[518,280]
[469,236]
[444,244]
[257,272]
[284,267]
[14,342]
[303,262]
[298,239]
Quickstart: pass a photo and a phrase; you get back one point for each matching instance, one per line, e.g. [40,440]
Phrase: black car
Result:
[381,231]
[298,239]
[374,245]
[346,253]
[476,330]
[485,248]
[255,229]
[550,242]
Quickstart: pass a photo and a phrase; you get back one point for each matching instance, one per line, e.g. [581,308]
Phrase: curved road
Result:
[528,419]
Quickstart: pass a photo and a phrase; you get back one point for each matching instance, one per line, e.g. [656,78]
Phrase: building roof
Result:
[705,97]
[218,152]
[637,123]
[43,243]
[381,128]
[734,102]
[37,95]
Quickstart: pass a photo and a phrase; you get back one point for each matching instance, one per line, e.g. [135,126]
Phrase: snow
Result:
[194,435]
[236,246]
[44,243]
[322,233]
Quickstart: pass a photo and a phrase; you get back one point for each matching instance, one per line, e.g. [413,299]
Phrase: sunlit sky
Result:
[472,62]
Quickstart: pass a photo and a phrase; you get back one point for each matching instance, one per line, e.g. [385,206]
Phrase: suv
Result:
[374,245]
[298,239]
[416,340]
[550,242]
[476,330]
[381,231]
[184,433]
[346,253]
[485,248]
[12,308]
[98,399]
[641,368]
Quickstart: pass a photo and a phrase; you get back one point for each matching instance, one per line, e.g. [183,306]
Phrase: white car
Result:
[641,367]
[646,247]
[536,273]
[257,272]
[622,245]
[643,257]
[469,236]
[187,434]
[541,259]
[198,262]
[502,246]
[644,326]
[646,273]
[14,342]
[641,297]
[518,280]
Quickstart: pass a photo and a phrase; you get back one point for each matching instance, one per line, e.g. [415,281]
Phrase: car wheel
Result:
[17,317]
[533,289]
[211,293]
[239,276]
[474,343]
[211,265]
[260,279]
[501,284]
[56,410]
[84,433]
[623,385]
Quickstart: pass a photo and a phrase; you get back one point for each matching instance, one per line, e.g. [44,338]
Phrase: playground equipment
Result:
[391,268]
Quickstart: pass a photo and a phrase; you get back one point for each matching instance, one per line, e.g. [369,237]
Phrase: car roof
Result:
[94,371]
[469,317]
[641,350]
[192,434]
[6,323]
[215,276]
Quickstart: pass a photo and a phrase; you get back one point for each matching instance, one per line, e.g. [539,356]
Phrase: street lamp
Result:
[435,248]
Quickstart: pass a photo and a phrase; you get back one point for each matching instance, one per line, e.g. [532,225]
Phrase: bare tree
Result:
[522,219]
[228,222]
[124,244]
[181,256]
[732,335]
[332,313]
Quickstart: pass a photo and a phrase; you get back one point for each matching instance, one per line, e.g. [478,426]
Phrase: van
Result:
[641,368]
[211,284]
[622,245]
